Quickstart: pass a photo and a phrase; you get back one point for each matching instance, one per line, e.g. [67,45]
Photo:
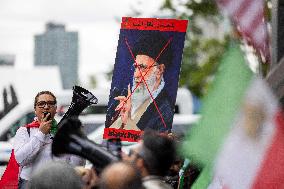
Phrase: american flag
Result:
[248,17]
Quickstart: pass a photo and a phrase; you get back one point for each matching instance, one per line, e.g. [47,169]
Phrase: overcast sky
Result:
[97,21]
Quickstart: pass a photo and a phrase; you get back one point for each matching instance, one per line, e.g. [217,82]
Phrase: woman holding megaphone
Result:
[32,143]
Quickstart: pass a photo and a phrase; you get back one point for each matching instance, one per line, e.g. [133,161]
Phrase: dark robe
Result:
[152,119]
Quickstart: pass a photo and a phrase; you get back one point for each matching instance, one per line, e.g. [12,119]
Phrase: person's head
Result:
[120,175]
[45,101]
[55,175]
[154,155]
[153,55]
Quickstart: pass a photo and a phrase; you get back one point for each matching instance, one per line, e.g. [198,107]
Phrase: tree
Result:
[202,54]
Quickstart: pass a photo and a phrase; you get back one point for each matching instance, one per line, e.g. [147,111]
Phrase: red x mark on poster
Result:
[155,46]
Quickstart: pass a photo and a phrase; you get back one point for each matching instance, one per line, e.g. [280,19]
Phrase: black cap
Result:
[151,44]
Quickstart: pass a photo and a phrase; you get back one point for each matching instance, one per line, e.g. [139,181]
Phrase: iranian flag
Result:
[252,155]
[220,107]
[239,140]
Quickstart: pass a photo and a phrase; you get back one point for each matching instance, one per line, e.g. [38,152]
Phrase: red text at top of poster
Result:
[154,24]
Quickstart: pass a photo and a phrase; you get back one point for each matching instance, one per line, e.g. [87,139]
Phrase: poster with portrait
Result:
[145,77]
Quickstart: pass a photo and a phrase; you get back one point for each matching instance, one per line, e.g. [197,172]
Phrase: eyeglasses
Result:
[143,67]
[42,104]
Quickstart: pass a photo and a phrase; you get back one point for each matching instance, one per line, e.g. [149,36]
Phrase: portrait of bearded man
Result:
[147,103]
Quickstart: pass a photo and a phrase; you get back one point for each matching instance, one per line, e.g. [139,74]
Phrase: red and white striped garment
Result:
[248,17]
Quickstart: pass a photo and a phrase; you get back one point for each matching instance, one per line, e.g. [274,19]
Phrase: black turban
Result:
[151,44]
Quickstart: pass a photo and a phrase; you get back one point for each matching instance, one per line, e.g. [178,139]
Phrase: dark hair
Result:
[44,92]
[158,152]
[153,44]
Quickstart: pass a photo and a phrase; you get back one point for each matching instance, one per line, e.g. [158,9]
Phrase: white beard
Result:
[141,94]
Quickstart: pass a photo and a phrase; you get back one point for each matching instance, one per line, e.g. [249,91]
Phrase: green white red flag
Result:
[219,108]
[251,156]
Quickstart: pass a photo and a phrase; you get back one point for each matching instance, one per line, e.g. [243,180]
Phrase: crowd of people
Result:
[152,163]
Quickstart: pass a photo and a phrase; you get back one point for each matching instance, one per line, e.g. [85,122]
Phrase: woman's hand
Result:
[45,124]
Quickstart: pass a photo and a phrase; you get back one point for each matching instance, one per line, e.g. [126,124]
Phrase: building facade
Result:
[58,47]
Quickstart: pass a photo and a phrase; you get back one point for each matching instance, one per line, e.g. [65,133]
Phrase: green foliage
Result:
[197,73]
[201,54]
